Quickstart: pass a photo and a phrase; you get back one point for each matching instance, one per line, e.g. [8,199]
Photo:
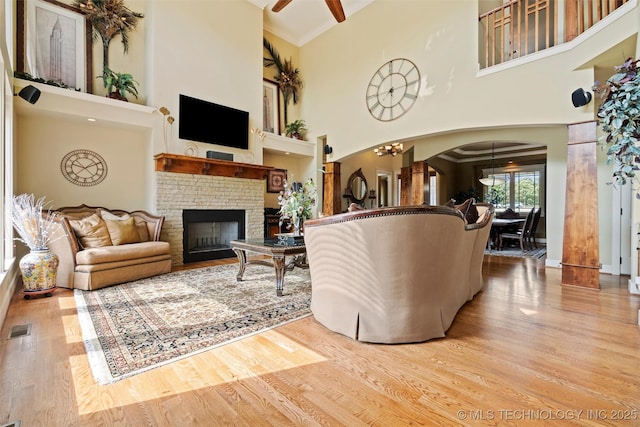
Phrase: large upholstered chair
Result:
[395,275]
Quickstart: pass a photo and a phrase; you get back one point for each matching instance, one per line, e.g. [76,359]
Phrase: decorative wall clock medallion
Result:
[393,89]
[191,149]
[84,167]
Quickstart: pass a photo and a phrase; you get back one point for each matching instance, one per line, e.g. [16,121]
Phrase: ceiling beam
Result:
[335,6]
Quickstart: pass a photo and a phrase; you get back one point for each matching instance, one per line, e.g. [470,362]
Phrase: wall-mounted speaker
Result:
[31,94]
[328,149]
[580,97]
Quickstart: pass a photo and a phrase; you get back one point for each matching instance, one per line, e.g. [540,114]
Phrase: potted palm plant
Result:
[288,77]
[35,226]
[108,19]
[119,84]
[296,129]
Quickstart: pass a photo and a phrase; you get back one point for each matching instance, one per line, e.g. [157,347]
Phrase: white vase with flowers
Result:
[297,203]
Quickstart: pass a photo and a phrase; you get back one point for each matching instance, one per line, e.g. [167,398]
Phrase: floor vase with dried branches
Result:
[35,226]
[39,270]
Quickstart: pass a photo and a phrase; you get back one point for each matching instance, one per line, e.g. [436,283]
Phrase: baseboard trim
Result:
[553,263]
[8,285]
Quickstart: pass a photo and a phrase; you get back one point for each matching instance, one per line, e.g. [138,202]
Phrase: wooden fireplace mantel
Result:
[213,167]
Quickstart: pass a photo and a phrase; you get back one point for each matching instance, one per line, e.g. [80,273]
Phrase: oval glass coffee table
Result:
[277,249]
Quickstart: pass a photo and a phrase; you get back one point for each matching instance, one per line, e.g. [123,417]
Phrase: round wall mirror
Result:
[357,188]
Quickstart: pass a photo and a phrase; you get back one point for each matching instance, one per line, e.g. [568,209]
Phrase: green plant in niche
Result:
[619,117]
[119,84]
[296,129]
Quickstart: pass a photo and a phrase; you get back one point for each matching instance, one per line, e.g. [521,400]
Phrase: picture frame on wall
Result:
[275,180]
[270,107]
[54,43]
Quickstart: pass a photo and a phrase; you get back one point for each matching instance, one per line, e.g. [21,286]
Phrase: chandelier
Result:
[492,180]
[386,150]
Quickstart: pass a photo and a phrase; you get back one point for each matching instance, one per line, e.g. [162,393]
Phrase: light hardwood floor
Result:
[525,351]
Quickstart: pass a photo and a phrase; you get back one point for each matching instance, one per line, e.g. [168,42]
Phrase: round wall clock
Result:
[84,167]
[393,89]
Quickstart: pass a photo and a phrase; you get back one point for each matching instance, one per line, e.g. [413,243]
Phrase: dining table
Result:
[499,225]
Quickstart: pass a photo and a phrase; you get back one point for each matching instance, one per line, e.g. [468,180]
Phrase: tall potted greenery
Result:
[108,19]
[619,117]
[288,77]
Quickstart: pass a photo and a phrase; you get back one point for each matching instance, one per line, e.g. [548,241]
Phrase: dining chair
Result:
[531,234]
[521,234]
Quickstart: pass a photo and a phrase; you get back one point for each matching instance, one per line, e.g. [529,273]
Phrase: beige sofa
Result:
[99,247]
[395,275]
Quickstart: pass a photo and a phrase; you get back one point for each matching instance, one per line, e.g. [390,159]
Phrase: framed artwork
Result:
[54,43]
[270,107]
[275,180]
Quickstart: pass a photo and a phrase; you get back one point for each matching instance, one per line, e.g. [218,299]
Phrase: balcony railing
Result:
[522,27]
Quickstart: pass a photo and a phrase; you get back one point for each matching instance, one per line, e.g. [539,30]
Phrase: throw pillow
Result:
[143,231]
[91,231]
[141,224]
[122,231]
[471,214]
[105,214]
[468,209]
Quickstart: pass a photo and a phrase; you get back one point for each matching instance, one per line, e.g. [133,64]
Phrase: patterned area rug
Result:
[137,326]
[538,253]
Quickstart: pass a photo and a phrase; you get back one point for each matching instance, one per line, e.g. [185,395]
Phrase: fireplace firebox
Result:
[208,232]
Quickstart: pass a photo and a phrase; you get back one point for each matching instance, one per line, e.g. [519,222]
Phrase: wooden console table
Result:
[203,166]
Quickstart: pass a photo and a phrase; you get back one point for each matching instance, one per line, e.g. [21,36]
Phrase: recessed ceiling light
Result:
[91,119]
[287,153]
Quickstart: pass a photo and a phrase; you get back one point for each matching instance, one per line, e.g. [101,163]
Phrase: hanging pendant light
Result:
[492,180]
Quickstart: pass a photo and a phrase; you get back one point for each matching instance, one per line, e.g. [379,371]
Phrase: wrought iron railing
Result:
[523,27]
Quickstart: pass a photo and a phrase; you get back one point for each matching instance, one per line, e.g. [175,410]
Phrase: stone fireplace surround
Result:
[180,190]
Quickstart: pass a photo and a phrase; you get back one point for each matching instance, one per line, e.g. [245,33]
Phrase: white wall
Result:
[210,50]
[441,38]
[44,141]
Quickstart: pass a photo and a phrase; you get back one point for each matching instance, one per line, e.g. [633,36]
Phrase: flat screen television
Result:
[205,121]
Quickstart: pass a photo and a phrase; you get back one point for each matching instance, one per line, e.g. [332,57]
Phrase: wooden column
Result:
[580,252]
[419,182]
[331,197]
[405,186]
